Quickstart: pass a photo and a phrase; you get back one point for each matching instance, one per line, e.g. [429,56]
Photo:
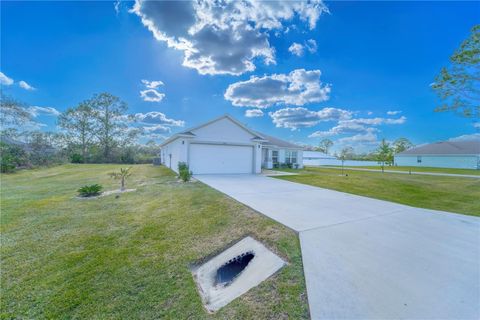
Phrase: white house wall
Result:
[225,131]
[220,132]
[447,161]
[178,150]
[300,158]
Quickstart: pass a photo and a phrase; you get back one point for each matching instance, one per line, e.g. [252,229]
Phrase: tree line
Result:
[94,131]
[385,152]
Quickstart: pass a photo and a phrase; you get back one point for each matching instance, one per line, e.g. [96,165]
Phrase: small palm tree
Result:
[122,175]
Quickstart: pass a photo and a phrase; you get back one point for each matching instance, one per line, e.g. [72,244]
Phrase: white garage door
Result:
[210,158]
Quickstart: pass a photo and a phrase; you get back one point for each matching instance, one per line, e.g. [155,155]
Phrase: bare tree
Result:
[13,112]
[345,153]
[324,145]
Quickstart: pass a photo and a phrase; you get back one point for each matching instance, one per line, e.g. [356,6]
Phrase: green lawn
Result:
[424,169]
[454,194]
[129,257]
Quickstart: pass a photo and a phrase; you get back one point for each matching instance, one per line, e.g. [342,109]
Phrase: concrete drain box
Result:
[235,271]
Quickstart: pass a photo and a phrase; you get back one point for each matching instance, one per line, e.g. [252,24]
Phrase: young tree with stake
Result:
[122,175]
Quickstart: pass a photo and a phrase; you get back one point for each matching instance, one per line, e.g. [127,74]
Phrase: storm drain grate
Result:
[233,272]
[227,273]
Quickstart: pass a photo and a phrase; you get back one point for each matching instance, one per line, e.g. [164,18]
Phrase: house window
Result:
[275,157]
[419,159]
[294,156]
[290,156]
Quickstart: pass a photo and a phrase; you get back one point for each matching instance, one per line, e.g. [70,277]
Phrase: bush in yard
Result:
[184,172]
[90,191]
[76,158]
[11,157]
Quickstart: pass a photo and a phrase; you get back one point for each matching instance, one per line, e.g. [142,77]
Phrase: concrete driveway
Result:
[367,258]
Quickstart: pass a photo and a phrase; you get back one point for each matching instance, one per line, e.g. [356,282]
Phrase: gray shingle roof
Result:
[446,148]
[272,141]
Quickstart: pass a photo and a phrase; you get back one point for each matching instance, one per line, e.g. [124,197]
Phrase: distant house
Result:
[226,146]
[317,158]
[447,154]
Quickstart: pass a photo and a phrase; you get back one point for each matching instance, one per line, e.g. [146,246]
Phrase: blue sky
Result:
[314,70]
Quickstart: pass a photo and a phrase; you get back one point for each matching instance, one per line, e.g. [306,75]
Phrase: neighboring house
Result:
[317,158]
[448,154]
[224,145]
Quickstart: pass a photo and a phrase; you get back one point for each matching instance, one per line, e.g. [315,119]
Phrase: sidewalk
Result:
[407,172]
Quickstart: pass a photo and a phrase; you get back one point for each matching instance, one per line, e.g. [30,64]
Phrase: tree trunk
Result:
[84,154]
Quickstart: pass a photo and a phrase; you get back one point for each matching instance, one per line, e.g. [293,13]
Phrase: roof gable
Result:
[223,125]
[275,142]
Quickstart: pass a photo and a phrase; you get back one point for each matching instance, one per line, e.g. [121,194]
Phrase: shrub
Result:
[11,157]
[90,191]
[182,166]
[76,158]
[184,172]
[285,166]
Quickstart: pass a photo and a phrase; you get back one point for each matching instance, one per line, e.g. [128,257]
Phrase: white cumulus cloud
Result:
[151,125]
[253,113]
[224,37]
[467,137]
[151,95]
[299,49]
[393,113]
[298,88]
[296,49]
[357,126]
[311,46]
[5,80]
[294,118]
[36,111]
[152,84]
[368,138]
[25,85]
[156,129]
[156,117]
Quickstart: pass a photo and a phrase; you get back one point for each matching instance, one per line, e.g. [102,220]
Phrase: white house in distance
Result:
[226,146]
[317,158]
[448,154]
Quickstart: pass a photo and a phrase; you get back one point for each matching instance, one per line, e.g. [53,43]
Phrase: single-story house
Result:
[317,158]
[226,146]
[447,154]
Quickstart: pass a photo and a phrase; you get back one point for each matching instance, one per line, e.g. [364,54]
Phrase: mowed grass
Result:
[129,257]
[454,194]
[424,169]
